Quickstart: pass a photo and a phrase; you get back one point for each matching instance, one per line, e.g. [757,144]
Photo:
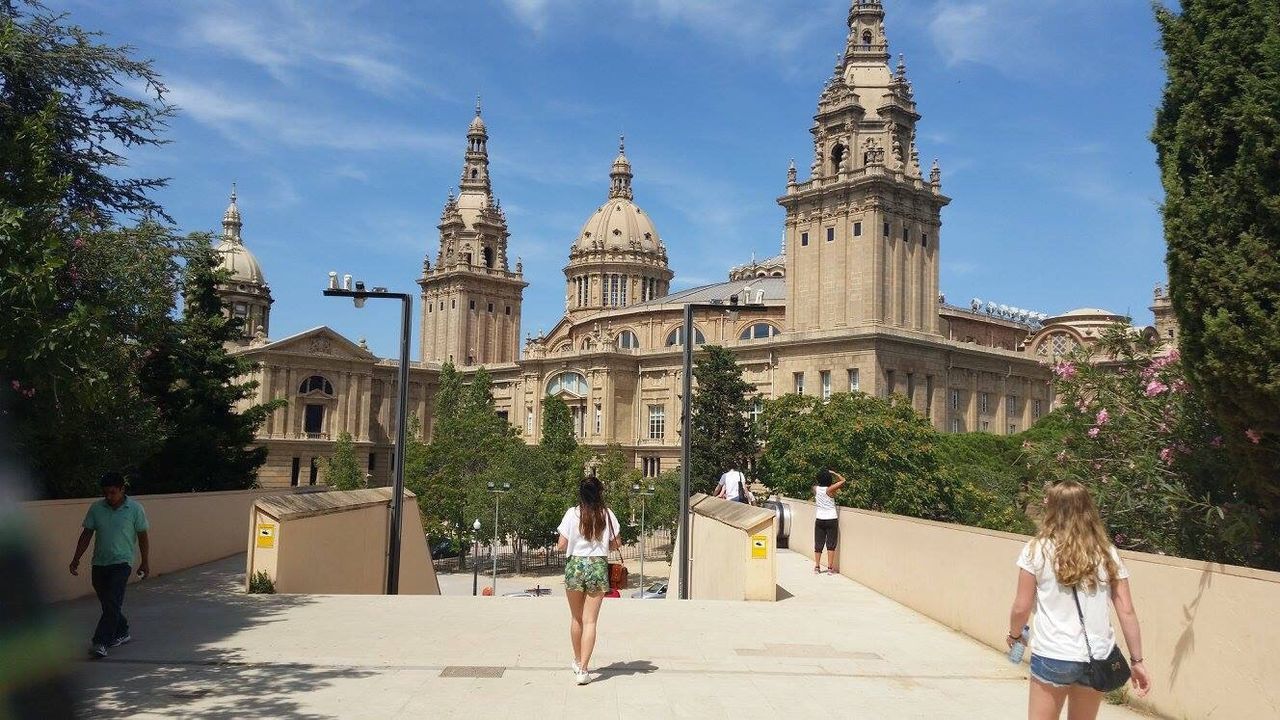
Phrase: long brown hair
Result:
[1080,542]
[592,512]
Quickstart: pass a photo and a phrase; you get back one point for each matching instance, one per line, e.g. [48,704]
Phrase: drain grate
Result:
[472,671]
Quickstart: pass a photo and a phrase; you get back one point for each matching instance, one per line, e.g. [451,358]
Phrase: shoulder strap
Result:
[1080,612]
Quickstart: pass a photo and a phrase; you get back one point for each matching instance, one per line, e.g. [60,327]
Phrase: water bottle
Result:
[1019,647]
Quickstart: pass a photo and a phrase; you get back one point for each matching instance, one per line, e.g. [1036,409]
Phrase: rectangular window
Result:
[599,418]
[986,426]
[889,382]
[504,416]
[623,282]
[831,234]
[804,238]
[924,239]
[508,309]
[313,420]
[657,422]
[955,399]
[983,405]
[799,382]
[652,466]
[295,471]
[490,307]
[825,379]
[241,310]
[1011,404]
[857,229]
[906,234]
[853,380]
[373,462]
[955,425]
[429,306]
[472,303]
[757,409]
[1013,429]
[528,420]
[453,304]
[886,230]
[911,387]
[579,420]
[315,471]
[928,396]
[1035,409]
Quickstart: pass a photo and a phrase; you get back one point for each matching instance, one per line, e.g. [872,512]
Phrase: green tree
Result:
[723,435]
[1217,136]
[990,479]
[83,298]
[196,386]
[883,447]
[342,470]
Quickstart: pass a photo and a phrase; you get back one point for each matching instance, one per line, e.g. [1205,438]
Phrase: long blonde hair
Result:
[1080,541]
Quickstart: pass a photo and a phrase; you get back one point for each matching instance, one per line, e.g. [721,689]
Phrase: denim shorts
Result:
[1058,673]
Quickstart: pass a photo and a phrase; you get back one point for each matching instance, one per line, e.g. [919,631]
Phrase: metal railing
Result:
[657,546]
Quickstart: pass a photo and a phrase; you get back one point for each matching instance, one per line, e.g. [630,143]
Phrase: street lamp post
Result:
[686,416]
[497,493]
[635,487]
[475,558]
[358,295]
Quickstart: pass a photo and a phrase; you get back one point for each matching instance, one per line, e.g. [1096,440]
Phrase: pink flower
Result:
[1254,436]
[1081,405]
[79,243]
[16,385]
[1166,454]
[30,393]
[1155,387]
[1179,386]
[1065,370]
[1216,441]
[1163,427]
[1026,444]
[1103,417]
[1173,356]
[1093,432]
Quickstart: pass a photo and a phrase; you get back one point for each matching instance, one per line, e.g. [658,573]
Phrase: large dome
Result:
[243,266]
[619,224]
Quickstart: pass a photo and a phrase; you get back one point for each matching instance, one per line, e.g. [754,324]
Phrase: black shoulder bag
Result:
[1102,675]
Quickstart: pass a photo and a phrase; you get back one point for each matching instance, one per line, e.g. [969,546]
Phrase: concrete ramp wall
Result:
[731,555]
[335,543]
[1207,629]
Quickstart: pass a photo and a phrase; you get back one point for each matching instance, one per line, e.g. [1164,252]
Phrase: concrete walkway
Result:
[831,649]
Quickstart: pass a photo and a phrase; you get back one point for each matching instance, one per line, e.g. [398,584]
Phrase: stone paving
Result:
[830,649]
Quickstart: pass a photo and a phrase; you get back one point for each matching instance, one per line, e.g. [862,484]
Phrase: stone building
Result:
[852,302]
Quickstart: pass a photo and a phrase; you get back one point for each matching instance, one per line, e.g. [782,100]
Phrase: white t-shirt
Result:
[733,481]
[1055,633]
[826,509]
[580,546]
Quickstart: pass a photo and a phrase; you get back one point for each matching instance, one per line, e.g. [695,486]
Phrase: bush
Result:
[261,583]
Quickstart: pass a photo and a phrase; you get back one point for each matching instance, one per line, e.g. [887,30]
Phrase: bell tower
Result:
[862,231]
[471,297]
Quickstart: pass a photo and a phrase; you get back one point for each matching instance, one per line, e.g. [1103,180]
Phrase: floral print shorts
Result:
[587,574]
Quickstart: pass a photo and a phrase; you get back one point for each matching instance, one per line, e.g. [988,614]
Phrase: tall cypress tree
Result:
[1218,139]
[723,436]
[197,385]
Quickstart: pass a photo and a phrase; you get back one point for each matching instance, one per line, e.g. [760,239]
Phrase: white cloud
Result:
[1004,34]
[289,40]
[250,121]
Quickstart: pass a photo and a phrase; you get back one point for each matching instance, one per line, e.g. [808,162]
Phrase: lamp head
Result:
[333,280]
[476,525]
[490,486]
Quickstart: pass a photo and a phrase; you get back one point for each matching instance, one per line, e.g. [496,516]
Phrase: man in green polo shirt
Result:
[121,527]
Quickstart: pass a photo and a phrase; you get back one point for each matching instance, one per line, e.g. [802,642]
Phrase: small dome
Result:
[241,263]
[615,225]
[477,126]
[1088,312]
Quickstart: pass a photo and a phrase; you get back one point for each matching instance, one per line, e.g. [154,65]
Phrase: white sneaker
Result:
[584,677]
[576,669]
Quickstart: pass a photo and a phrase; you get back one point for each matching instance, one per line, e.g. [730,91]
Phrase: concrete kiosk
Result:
[731,553]
[335,543]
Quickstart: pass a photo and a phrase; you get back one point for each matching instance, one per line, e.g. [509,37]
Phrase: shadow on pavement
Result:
[183,660]
[618,669]
[783,593]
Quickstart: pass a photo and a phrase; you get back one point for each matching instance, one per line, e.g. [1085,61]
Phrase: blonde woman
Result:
[1071,557]
[588,532]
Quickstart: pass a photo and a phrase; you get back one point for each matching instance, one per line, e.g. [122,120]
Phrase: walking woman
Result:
[587,533]
[1071,559]
[826,522]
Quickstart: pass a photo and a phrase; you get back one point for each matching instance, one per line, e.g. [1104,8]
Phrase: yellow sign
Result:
[759,547]
[266,535]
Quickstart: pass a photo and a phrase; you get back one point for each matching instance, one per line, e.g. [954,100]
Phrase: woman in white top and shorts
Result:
[587,533]
[1072,556]
[826,520]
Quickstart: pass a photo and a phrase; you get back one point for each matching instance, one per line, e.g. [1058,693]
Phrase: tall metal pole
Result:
[495,544]
[402,421]
[642,499]
[475,564]
[686,423]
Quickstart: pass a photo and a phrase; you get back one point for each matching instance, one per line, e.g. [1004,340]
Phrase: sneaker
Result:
[121,640]
[832,571]
[98,651]
[817,569]
[584,677]
[576,669]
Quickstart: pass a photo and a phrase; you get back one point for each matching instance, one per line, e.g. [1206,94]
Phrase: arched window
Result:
[675,338]
[315,383]
[565,347]
[571,382]
[488,257]
[866,38]
[588,343]
[627,340]
[758,331]
[837,155]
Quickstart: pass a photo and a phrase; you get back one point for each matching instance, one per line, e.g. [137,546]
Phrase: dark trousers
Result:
[109,582]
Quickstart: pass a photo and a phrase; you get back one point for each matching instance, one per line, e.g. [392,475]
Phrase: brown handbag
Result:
[618,574]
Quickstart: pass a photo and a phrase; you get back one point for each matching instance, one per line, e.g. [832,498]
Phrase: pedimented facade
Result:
[852,302]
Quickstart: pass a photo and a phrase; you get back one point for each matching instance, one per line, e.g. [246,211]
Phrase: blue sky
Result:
[343,124]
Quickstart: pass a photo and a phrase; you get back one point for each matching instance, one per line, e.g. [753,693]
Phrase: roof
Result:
[734,514]
[1087,312]
[311,504]
[775,290]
